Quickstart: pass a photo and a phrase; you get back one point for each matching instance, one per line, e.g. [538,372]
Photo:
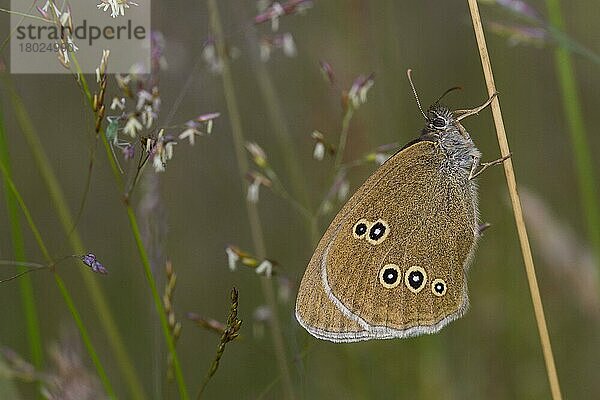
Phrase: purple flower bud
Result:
[99,268]
[207,117]
[88,259]
[520,8]
[327,71]
[275,11]
[43,12]
[129,151]
[96,266]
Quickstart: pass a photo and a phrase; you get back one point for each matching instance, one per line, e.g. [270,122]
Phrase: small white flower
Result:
[265,267]
[162,148]
[265,51]
[327,207]
[117,103]
[262,314]
[211,58]
[71,44]
[258,154]
[117,7]
[362,93]
[64,18]
[155,100]
[380,158]
[101,70]
[137,69]
[143,98]
[45,8]
[103,6]
[190,134]
[159,166]
[63,57]
[319,151]
[289,47]
[169,150]
[123,80]
[343,190]
[148,116]
[253,190]
[277,11]
[286,289]
[232,258]
[149,144]
[51,3]
[360,88]
[132,126]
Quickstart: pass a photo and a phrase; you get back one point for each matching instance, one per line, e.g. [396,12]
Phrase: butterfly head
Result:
[439,119]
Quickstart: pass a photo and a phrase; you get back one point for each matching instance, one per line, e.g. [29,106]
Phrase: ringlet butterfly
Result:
[393,262]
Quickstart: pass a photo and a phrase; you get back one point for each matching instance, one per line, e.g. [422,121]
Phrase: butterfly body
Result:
[453,139]
[393,261]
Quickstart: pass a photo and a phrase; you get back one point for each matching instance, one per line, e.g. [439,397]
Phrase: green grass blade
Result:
[578,133]
[27,296]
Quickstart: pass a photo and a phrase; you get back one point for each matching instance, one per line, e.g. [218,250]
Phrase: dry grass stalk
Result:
[516,205]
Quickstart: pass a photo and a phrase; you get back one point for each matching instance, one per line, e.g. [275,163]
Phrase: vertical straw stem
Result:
[516,205]
[252,210]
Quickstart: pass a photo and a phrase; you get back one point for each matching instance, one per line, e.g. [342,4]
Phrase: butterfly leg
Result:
[474,174]
[462,114]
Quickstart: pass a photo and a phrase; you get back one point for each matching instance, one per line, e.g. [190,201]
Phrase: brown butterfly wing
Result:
[342,295]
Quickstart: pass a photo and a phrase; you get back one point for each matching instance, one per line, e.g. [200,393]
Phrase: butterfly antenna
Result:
[452,89]
[409,72]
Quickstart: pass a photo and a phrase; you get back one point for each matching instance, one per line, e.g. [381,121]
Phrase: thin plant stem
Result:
[21,274]
[65,217]
[339,157]
[25,15]
[61,286]
[280,189]
[27,295]
[564,42]
[251,209]
[183,392]
[516,205]
[579,142]
[31,265]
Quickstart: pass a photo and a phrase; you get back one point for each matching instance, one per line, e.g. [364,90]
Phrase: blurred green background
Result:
[493,352]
